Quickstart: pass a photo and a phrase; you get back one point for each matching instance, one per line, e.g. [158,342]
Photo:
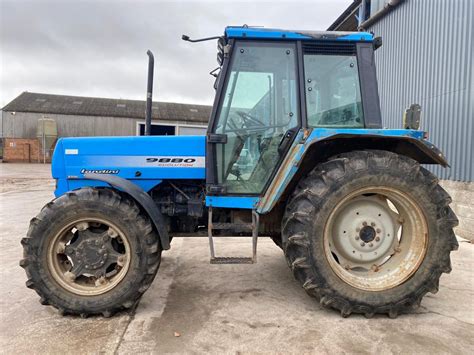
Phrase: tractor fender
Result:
[420,150]
[142,198]
[305,155]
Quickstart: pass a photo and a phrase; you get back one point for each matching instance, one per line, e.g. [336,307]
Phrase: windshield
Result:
[258,108]
[332,91]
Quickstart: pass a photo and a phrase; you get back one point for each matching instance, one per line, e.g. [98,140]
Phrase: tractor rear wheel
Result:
[369,232]
[91,251]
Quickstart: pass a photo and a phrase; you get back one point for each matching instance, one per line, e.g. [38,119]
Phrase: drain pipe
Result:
[149,93]
[388,7]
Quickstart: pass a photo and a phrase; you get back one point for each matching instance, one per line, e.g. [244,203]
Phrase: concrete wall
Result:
[24,125]
[462,194]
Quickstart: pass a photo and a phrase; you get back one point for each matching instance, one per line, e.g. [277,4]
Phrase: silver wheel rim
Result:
[376,238]
[89,282]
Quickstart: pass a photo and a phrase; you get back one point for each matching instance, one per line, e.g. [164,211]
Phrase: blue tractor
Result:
[295,151]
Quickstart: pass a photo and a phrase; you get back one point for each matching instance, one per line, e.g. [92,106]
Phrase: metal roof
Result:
[348,19]
[271,33]
[94,106]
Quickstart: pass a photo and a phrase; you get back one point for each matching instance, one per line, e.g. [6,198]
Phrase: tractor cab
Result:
[271,85]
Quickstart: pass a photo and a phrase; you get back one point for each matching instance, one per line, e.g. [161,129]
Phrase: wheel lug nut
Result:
[364,223]
[372,224]
[362,244]
[378,230]
[377,239]
[70,276]
[371,245]
[357,237]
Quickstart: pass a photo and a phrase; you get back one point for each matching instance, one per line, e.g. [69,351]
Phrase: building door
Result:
[157,130]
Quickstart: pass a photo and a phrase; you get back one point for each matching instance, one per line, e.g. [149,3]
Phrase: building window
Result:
[365,10]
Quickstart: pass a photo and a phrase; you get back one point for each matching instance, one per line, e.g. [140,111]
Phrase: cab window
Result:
[332,91]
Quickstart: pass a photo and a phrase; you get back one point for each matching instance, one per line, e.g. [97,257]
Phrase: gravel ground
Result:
[216,308]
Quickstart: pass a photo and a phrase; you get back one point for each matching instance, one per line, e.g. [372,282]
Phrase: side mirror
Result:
[221,43]
[377,43]
[412,117]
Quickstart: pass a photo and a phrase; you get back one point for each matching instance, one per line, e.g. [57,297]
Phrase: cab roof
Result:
[272,33]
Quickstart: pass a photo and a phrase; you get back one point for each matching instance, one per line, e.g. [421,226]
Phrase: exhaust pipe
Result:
[149,93]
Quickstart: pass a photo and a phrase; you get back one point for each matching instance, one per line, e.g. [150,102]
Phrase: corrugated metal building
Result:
[88,116]
[427,57]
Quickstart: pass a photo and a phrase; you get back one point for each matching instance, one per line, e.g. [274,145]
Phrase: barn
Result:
[77,116]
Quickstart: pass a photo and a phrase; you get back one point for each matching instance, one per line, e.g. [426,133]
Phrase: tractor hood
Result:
[144,160]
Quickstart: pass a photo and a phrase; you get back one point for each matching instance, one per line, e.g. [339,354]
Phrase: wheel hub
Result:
[364,232]
[90,257]
[367,234]
[88,251]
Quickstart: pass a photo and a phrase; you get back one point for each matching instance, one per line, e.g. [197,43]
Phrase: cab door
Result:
[256,118]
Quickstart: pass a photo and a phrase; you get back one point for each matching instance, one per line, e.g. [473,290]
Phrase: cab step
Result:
[233,227]
[231,260]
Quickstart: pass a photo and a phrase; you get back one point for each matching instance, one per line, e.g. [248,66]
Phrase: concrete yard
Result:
[216,309]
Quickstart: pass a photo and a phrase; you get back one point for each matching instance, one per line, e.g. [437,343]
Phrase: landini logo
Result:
[99,171]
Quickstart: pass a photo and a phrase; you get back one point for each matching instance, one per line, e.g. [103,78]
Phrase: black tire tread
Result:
[308,198]
[115,199]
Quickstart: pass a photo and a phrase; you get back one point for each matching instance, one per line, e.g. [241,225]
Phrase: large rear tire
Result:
[91,251]
[369,232]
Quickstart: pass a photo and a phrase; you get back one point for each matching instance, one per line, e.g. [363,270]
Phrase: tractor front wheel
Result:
[91,251]
[369,232]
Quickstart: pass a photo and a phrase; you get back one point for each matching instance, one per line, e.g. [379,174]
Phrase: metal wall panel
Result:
[25,124]
[427,58]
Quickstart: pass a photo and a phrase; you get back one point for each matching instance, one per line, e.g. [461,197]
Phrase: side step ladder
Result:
[236,227]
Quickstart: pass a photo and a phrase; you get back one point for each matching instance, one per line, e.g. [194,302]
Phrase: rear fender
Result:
[142,198]
[319,145]
[420,150]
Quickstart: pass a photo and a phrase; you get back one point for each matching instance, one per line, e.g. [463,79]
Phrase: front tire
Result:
[369,232]
[91,251]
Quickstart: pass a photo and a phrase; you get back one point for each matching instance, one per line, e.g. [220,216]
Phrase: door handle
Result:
[216,138]
[286,140]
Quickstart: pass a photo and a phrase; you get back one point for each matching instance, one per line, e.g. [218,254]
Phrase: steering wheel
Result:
[249,120]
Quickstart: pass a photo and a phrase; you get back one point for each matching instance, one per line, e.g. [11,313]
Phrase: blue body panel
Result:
[246,202]
[159,158]
[144,160]
[269,33]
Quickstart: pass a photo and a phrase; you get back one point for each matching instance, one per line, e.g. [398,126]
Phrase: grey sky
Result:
[97,48]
